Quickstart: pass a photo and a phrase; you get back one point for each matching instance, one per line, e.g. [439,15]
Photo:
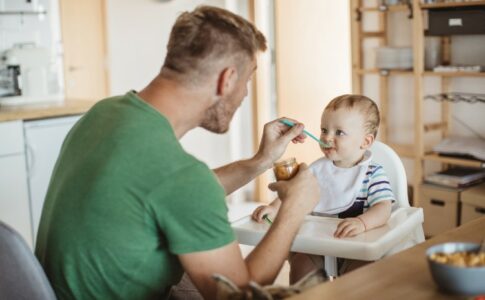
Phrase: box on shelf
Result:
[441,207]
[456,21]
[473,203]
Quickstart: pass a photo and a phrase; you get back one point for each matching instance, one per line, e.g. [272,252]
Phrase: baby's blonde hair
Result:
[364,104]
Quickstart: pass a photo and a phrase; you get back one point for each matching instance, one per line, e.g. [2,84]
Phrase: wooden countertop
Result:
[44,110]
[401,276]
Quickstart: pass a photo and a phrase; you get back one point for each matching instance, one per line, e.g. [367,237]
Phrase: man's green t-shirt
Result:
[124,200]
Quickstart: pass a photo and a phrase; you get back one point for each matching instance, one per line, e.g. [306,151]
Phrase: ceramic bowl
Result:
[454,279]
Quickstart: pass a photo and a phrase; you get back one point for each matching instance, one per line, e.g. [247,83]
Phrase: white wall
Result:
[313,63]
[138,31]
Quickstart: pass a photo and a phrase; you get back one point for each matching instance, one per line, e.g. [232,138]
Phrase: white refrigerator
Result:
[43,141]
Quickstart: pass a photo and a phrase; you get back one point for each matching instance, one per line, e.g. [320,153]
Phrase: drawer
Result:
[474,195]
[471,212]
[11,138]
[441,209]
[473,203]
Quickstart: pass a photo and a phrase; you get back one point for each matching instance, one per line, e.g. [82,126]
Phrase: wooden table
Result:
[401,276]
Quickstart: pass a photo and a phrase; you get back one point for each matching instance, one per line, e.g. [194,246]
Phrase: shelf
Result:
[452,4]
[426,73]
[373,34]
[22,12]
[454,74]
[435,126]
[379,72]
[455,161]
[391,8]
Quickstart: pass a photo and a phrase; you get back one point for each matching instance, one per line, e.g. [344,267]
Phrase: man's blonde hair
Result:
[364,104]
[206,35]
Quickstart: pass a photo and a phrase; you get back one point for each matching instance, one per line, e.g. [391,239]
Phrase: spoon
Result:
[267,219]
[291,124]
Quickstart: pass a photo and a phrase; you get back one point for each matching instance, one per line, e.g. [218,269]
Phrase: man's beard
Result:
[217,117]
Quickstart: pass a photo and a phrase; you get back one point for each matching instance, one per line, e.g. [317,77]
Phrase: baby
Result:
[352,186]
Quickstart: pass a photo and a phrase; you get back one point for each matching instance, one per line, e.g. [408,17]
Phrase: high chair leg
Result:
[331,266]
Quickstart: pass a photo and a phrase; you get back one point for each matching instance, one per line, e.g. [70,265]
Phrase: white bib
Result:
[338,186]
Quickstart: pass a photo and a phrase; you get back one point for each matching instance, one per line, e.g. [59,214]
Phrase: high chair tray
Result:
[316,235]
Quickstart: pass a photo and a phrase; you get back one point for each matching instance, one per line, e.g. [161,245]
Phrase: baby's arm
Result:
[269,210]
[375,216]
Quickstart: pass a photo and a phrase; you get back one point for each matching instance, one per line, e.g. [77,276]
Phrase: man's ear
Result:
[227,81]
[368,141]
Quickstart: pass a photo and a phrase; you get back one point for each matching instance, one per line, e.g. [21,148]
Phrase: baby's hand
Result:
[263,210]
[349,227]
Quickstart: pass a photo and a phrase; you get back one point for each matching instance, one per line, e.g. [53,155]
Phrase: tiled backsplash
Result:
[42,29]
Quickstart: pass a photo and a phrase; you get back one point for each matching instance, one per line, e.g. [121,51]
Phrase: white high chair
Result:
[390,161]
[392,164]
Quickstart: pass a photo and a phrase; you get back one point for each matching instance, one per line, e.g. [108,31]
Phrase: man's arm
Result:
[299,196]
[276,137]
[262,265]
[237,174]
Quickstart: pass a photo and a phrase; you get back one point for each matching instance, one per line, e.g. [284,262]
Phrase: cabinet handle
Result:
[437,202]
[30,160]
[480,210]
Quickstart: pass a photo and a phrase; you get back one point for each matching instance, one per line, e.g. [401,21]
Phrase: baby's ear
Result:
[368,141]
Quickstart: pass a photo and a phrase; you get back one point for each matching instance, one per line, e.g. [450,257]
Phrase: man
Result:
[128,210]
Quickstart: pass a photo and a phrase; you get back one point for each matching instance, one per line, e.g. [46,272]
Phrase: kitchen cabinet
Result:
[28,153]
[14,197]
[43,141]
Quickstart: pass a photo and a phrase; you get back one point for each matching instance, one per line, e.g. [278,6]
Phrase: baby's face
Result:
[344,130]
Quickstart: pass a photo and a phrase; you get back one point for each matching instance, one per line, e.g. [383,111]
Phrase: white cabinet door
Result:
[43,140]
[14,198]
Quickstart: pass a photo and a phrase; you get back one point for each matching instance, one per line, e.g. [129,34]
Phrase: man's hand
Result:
[349,227]
[276,137]
[299,195]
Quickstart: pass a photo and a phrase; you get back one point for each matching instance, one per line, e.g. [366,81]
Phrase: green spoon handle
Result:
[291,124]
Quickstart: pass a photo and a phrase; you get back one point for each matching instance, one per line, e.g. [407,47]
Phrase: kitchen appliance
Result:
[24,74]
[9,81]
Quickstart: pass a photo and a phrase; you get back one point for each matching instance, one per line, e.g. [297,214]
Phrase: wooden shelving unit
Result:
[418,151]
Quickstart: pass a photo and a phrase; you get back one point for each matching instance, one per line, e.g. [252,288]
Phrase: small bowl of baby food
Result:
[458,268]
[285,169]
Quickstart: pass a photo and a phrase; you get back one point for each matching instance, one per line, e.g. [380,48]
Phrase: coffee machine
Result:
[10,80]
[24,71]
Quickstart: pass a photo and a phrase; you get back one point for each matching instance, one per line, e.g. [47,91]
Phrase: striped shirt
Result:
[375,188]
